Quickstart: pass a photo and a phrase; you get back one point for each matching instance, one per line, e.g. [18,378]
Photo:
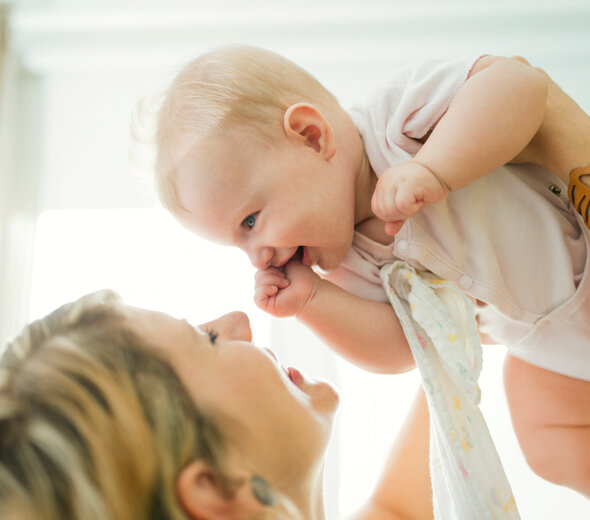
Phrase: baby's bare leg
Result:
[551,417]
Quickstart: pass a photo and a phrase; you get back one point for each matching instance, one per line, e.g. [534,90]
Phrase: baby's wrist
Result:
[434,176]
[309,307]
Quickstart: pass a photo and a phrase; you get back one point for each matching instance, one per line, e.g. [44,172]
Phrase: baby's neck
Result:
[366,181]
[374,229]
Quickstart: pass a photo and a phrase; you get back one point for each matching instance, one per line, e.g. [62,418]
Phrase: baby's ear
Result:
[305,124]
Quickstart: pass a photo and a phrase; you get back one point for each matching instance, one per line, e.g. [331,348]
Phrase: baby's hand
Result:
[402,190]
[285,291]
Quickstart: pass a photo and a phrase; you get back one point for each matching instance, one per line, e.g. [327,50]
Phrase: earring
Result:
[262,491]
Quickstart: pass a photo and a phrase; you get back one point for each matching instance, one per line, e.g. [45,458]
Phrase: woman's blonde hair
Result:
[93,423]
[229,88]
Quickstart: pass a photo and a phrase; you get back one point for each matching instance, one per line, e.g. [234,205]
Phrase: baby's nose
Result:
[261,257]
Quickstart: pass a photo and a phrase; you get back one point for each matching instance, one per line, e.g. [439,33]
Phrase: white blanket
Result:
[468,481]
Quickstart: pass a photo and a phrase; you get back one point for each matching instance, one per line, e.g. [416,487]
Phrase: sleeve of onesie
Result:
[391,122]
[406,108]
[430,88]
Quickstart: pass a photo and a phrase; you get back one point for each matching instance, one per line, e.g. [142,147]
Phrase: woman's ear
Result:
[201,496]
[305,123]
[199,492]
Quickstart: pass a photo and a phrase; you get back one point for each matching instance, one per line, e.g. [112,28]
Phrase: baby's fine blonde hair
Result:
[94,425]
[229,88]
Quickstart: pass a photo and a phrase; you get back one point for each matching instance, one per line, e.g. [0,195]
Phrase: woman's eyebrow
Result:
[197,329]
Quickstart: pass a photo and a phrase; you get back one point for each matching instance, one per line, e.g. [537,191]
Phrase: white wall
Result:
[80,67]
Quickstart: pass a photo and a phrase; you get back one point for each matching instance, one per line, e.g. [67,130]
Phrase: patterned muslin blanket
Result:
[468,481]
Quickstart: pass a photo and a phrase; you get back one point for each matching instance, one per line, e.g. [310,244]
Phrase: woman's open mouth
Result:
[293,374]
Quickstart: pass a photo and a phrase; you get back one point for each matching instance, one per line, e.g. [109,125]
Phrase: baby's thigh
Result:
[551,417]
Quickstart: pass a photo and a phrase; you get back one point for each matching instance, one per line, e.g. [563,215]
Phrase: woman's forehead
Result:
[155,324]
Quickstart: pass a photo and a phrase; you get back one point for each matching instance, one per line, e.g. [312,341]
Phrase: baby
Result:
[254,152]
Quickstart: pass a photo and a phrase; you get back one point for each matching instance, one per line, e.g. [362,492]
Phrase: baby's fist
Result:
[401,192]
[285,291]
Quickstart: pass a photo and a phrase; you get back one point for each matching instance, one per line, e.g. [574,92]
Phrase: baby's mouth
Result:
[298,255]
[305,259]
[301,254]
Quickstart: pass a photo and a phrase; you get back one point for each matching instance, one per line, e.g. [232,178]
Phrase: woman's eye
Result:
[213,335]
[249,221]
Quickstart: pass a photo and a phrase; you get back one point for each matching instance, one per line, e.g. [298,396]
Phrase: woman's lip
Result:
[295,376]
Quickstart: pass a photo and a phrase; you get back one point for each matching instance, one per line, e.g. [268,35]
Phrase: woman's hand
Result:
[286,290]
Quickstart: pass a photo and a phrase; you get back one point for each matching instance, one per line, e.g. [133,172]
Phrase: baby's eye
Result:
[249,221]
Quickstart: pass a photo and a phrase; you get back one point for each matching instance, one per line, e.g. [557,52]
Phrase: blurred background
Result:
[78,212]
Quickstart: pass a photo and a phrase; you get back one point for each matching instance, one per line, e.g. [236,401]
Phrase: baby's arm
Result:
[365,332]
[490,120]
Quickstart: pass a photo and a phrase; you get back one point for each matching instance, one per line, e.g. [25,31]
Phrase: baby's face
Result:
[270,201]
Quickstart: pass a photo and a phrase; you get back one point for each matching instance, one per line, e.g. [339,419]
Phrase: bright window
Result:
[145,256]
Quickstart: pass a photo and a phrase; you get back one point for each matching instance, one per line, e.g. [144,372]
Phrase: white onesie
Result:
[510,240]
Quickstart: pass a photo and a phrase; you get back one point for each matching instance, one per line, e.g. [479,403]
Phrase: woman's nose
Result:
[271,354]
[231,326]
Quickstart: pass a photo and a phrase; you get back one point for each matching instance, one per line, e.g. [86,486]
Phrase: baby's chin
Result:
[322,260]
[327,265]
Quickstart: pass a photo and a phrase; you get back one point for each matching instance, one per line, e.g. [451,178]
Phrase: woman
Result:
[109,411]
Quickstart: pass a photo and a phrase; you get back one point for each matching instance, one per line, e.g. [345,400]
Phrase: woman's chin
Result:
[324,397]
